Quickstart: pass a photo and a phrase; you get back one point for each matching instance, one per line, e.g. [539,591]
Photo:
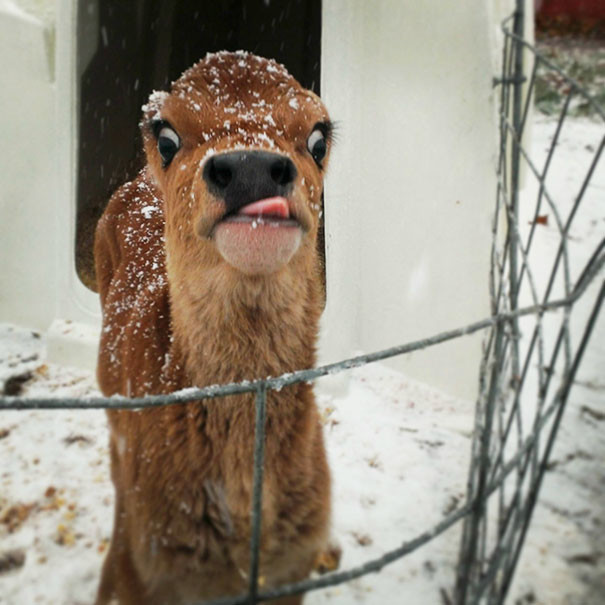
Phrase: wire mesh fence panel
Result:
[545,300]
[529,363]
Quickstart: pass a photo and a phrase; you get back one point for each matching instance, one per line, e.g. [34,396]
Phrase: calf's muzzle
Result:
[243,177]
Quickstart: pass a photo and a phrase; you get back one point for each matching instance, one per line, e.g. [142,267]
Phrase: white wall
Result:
[27,170]
[412,182]
[43,10]
[38,284]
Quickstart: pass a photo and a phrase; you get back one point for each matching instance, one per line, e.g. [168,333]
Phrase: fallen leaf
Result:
[328,560]
[325,414]
[14,385]
[14,516]
[374,462]
[362,539]
[55,503]
[65,536]
[11,559]
[42,370]
[103,546]
[70,439]
[596,414]
[591,558]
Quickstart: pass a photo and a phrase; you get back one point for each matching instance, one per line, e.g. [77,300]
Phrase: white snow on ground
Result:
[55,495]
[398,452]
[563,561]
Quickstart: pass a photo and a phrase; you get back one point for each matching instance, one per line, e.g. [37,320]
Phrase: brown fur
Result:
[176,315]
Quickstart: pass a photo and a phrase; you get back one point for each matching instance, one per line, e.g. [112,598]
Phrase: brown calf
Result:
[208,273]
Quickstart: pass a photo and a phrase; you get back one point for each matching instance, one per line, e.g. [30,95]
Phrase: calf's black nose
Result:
[243,177]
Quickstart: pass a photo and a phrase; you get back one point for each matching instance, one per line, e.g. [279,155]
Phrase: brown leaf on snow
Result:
[374,462]
[590,558]
[328,560]
[595,414]
[12,517]
[42,370]
[14,385]
[11,559]
[65,536]
[324,415]
[103,546]
[70,439]
[363,539]
[55,502]
[541,219]
[54,499]
[451,504]
[4,433]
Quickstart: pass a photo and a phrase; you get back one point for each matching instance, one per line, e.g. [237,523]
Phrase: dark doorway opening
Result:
[127,49]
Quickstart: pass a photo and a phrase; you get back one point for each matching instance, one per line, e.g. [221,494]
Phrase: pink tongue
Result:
[271,206]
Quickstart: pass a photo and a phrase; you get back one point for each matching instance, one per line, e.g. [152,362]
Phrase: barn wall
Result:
[27,170]
[412,185]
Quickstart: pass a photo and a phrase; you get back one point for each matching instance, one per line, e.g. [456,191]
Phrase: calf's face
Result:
[238,150]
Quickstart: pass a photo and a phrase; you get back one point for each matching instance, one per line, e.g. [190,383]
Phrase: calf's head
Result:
[238,150]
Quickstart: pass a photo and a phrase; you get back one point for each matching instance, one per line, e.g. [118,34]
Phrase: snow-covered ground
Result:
[564,558]
[398,452]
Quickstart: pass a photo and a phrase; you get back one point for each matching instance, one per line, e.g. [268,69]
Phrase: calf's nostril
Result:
[220,172]
[282,171]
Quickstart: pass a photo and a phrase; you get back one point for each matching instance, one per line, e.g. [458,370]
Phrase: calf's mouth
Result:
[259,238]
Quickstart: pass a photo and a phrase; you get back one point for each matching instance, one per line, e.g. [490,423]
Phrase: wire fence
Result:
[529,364]
[525,377]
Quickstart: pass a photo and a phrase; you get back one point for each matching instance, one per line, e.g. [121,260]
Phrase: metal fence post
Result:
[517,118]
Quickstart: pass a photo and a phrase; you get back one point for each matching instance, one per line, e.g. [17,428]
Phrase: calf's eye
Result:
[316,144]
[168,144]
